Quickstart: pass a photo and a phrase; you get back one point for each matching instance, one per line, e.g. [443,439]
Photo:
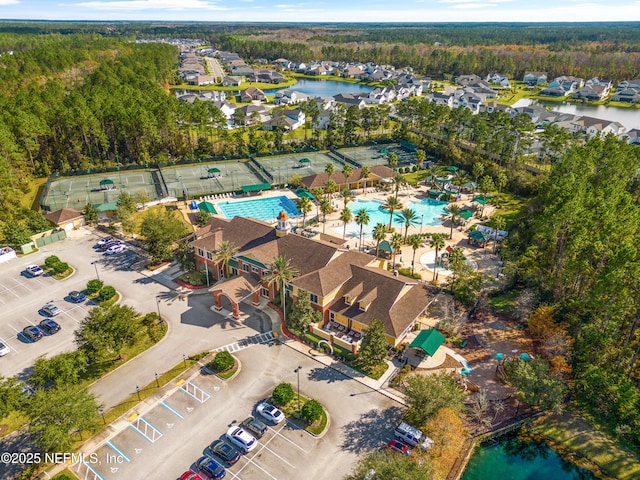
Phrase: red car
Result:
[398,447]
[190,475]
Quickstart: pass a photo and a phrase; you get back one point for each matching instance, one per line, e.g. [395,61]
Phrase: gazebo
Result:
[452,168]
[385,247]
[479,237]
[304,193]
[428,341]
[213,172]
[466,214]
[305,162]
[481,199]
[107,184]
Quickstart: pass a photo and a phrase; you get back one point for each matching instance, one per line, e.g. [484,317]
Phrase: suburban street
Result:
[214,67]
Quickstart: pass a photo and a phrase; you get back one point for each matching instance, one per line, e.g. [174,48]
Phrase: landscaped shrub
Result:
[282,394]
[60,267]
[107,293]
[51,261]
[311,411]
[222,361]
[94,286]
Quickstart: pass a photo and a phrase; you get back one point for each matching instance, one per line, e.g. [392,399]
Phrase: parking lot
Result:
[165,437]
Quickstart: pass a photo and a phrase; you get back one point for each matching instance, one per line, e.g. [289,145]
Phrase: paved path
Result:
[246,343]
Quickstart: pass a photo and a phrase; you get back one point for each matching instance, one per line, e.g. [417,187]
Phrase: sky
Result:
[324,10]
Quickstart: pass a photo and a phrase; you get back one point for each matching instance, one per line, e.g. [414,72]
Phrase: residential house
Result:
[266,76]
[491,107]
[289,97]
[498,79]
[349,99]
[627,95]
[592,92]
[556,91]
[353,71]
[67,218]
[599,81]
[252,94]
[254,114]
[241,71]
[441,98]
[381,95]
[201,80]
[628,84]
[596,126]
[632,136]
[318,69]
[287,120]
[465,80]
[469,99]
[227,109]
[228,81]
[535,78]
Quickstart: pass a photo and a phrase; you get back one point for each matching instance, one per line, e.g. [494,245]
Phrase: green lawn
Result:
[509,206]
[573,433]
[31,199]
[504,302]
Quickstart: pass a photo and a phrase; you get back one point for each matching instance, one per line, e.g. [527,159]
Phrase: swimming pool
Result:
[265,209]
[428,211]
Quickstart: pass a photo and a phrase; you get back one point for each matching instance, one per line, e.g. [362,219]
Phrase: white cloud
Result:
[9,2]
[149,5]
[474,5]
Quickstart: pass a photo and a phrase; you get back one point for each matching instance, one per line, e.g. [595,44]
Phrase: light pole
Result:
[158,305]
[138,392]
[157,383]
[297,370]
[102,413]
[95,265]
[184,359]
[421,221]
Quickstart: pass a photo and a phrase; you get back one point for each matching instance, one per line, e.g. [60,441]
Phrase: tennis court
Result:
[205,178]
[378,154]
[283,167]
[76,192]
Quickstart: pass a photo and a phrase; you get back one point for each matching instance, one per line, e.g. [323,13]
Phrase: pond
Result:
[629,117]
[514,458]
[323,88]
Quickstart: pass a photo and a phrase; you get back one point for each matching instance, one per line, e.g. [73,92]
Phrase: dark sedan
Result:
[33,333]
[225,451]
[209,468]
[77,297]
[49,326]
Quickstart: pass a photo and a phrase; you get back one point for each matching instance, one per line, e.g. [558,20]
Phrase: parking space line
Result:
[16,330]
[171,409]
[290,441]
[250,461]
[148,428]
[111,445]
[198,393]
[274,453]
[7,343]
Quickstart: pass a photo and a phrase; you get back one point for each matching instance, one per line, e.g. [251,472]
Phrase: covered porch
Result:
[235,290]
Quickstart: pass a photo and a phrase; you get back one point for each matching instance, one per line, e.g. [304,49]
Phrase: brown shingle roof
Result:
[244,233]
[238,288]
[325,280]
[399,300]
[321,179]
[63,215]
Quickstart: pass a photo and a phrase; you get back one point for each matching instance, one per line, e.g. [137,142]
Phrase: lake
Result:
[629,117]
[513,458]
[323,88]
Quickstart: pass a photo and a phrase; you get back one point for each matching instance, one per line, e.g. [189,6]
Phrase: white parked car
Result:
[241,438]
[116,249]
[270,412]
[4,349]
[34,270]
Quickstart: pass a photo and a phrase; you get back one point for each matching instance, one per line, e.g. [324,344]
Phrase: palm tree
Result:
[325,208]
[226,252]
[346,171]
[421,156]
[281,272]
[396,243]
[433,172]
[437,242]
[501,181]
[364,174]
[305,206]
[456,260]
[415,241]
[345,217]
[397,181]
[331,187]
[497,223]
[329,169]
[454,210]
[346,196]
[317,192]
[379,233]
[362,218]
[393,159]
[391,204]
[477,171]
[409,217]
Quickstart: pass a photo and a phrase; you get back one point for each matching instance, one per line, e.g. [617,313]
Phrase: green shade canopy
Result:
[428,341]
[466,214]
[478,235]
[471,185]
[451,192]
[214,170]
[383,150]
[452,168]
[304,160]
[105,182]
[481,199]
[301,192]
[256,188]
[385,247]
[106,207]
[207,207]
[442,180]
[435,193]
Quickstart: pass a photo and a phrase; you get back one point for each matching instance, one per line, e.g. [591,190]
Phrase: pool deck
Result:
[483,258]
